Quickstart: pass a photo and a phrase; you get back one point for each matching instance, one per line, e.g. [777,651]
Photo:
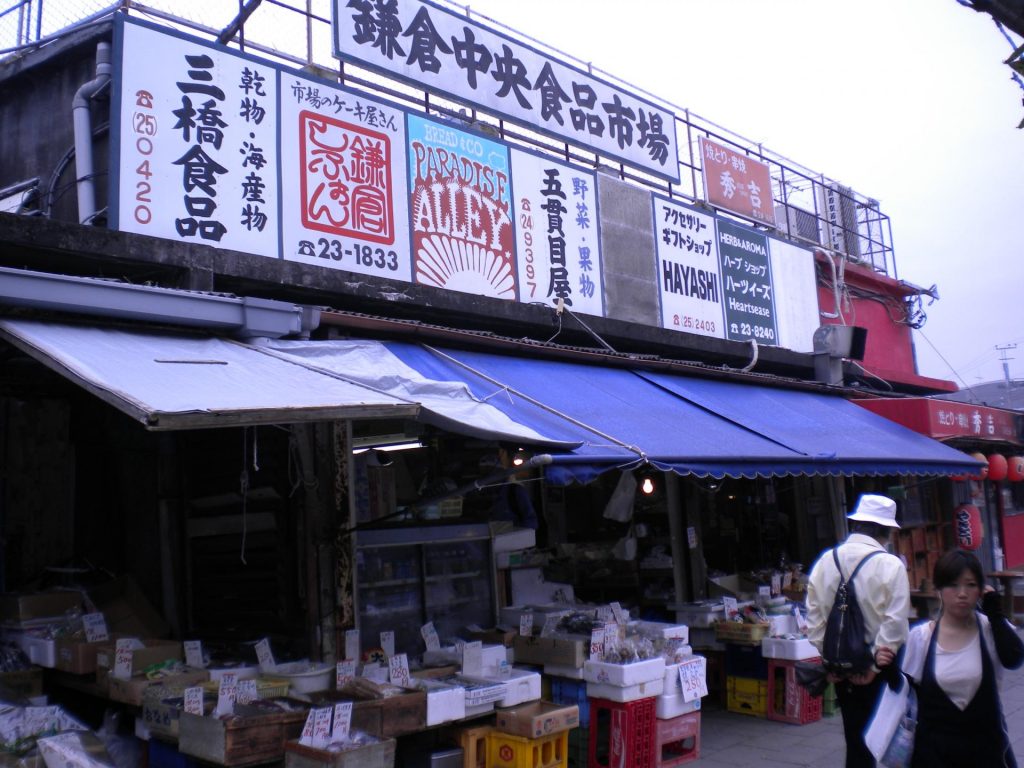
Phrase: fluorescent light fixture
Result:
[402,446]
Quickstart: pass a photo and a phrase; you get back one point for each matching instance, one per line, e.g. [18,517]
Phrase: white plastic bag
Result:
[890,734]
[620,505]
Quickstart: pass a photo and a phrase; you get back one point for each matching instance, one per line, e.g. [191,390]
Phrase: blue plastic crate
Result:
[745,661]
[567,691]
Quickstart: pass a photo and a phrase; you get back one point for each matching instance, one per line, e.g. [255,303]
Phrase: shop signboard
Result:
[556,229]
[196,143]
[734,181]
[747,284]
[446,51]
[461,205]
[343,164]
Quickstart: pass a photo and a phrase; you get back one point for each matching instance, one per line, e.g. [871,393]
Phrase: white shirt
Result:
[958,673]
[883,593]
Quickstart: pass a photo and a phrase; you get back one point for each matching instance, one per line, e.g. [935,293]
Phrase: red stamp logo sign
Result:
[346,179]
[506,754]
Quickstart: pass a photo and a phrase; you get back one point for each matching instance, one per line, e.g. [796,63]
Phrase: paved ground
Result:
[730,740]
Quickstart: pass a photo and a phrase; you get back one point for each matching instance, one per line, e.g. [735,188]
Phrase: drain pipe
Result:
[83,133]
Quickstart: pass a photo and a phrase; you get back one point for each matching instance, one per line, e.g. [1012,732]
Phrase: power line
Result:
[948,365]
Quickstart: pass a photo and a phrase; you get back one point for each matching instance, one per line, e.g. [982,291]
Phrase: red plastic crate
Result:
[788,702]
[622,734]
[677,741]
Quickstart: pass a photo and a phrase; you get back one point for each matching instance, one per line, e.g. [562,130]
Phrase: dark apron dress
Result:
[948,737]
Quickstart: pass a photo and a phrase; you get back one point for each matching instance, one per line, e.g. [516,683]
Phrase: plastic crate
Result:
[677,741]
[788,702]
[622,734]
[579,742]
[474,745]
[566,691]
[745,661]
[747,696]
[741,633]
[507,751]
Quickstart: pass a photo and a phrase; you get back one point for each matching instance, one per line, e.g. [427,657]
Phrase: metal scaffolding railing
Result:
[810,208]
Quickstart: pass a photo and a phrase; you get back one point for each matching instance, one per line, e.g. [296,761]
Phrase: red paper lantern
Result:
[997,467]
[967,519]
[1015,470]
[982,471]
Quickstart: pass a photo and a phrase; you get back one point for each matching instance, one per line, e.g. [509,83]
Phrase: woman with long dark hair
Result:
[957,662]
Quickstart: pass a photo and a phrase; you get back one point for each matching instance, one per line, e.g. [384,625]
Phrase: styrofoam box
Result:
[521,686]
[40,650]
[672,684]
[665,631]
[445,703]
[783,624]
[794,650]
[479,709]
[557,670]
[624,693]
[625,674]
[668,706]
[492,658]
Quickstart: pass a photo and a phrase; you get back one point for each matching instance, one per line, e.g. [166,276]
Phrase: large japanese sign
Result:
[736,182]
[556,233]
[446,52]
[343,161]
[688,270]
[747,281]
[948,419]
[461,210]
[723,279]
[197,144]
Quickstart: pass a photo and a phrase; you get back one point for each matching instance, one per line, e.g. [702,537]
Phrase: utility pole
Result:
[1006,370]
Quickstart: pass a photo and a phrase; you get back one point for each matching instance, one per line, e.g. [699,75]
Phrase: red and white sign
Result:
[945,419]
[737,182]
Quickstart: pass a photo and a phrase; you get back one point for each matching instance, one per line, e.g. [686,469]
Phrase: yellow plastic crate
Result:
[747,696]
[507,751]
[740,633]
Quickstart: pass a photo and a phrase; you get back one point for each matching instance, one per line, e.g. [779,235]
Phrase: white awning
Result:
[181,381]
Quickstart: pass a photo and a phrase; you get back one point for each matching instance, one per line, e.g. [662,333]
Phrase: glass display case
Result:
[406,577]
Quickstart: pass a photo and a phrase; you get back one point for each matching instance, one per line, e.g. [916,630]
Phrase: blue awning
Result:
[624,418]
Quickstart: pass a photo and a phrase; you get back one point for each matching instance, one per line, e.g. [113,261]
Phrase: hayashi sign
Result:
[443,51]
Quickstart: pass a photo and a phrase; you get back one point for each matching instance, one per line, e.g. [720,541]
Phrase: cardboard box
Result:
[132,691]
[625,674]
[557,650]
[540,718]
[77,656]
[246,739]
[126,609]
[153,652]
[21,608]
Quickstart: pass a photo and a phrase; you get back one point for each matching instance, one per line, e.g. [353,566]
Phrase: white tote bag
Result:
[890,734]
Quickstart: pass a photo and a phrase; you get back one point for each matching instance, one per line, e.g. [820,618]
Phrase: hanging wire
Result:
[243,482]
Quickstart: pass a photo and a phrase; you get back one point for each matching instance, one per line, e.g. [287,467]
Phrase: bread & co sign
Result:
[444,51]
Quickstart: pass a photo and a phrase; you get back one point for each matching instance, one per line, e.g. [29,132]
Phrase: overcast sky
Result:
[906,101]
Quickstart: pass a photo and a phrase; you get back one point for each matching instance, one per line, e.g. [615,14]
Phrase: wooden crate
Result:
[385,718]
[244,739]
[741,633]
[23,684]
[379,755]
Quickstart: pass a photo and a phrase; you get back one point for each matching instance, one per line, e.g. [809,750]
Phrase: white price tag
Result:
[95,627]
[246,691]
[194,653]
[123,652]
[764,591]
[504,670]
[611,636]
[691,537]
[352,644]
[693,678]
[322,726]
[398,670]
[620,617]
[731,609]
[525,624]
[604,614]
[596,644]
[194,700]
[776,584]
[342,721]
[306,739]
[265,655]
[430,636]
[473,659]
[387,642]
[344,672]
[227,692]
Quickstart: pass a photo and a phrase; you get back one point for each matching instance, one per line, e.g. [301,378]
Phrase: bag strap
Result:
[842,579]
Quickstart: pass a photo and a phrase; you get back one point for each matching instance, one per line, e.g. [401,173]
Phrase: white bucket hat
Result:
[872,508]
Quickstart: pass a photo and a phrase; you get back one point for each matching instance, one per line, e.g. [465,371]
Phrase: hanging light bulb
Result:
[647,485]
[519,458]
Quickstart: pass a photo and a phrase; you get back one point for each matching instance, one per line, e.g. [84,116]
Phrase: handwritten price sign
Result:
[693,678]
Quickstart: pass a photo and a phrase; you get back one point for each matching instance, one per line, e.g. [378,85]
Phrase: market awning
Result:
[181,381]
[687,425]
